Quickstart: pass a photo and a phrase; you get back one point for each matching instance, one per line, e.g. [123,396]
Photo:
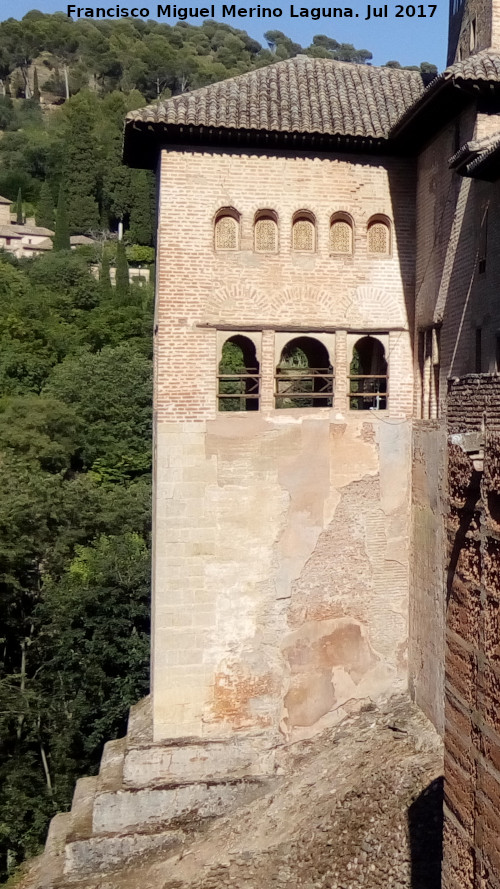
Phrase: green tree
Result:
[19,208]
[61,236]
[141,214]
[105,288]
[81,168]
[111,391]
[122,275]
[45,209]
[36,88]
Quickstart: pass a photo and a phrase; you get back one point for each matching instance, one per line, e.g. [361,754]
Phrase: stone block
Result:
[140,722]
[81,808]
[101,854]
[111,769]
[52,861]
[202,761]
[147,810]
[58,831]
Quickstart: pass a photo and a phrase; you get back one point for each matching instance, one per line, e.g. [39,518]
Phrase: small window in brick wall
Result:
[304,232]
[266,232]
[340,234]
[379,236]
[227,229]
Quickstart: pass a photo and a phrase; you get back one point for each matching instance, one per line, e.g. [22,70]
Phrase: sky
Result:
[407,39]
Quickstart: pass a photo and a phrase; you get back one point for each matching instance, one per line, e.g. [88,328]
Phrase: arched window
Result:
[238,375]
[304,376]
[368,375]
[379,235]
[227,229]
[304,232]
[265,232]
[341,240]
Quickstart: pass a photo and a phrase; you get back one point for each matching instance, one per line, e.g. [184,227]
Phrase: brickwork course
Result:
[314,556]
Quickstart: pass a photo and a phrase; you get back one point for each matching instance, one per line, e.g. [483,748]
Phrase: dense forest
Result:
[75,389]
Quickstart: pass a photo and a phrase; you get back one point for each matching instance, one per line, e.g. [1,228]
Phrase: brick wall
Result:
[198,286]
[453,289]
[472,739]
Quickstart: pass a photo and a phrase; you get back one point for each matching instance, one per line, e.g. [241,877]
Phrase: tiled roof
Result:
[28,229]
[4,200]
[81,240]
[7,231]
[483,65]
[42,245]
[303,95]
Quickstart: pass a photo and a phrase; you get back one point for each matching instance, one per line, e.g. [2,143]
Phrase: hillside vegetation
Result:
[75,464]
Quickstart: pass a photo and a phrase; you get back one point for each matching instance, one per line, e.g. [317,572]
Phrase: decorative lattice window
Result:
[266,235]
[226,233]
[303,235]
[378,237]
[340,236]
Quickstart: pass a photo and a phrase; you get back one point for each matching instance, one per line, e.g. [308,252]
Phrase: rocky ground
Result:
[358,806]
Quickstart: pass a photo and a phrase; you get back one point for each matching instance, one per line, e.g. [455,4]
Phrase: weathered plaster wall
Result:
[427,570]
[282,597]
[472,740]
[281,536]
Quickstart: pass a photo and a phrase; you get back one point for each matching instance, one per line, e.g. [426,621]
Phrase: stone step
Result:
[111,769]
[57,833]
[82,808]
[140,723]
[100,854]
[157,808]
[51,868]
[212,760]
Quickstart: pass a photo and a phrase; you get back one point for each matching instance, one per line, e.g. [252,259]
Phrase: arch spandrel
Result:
[365,307]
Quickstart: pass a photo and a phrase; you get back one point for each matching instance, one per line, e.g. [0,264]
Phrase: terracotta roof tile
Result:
[303,95]
[483,65]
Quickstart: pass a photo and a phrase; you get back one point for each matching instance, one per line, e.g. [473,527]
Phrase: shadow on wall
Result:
[425,828]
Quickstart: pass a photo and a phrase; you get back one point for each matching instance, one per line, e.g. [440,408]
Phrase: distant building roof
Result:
[5,200]
[81,240]
[31,230]
[42,245]
[8,231]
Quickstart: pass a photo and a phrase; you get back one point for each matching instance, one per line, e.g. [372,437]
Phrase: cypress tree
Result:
[45,210]
[104,277]
[81,167]
[61,237]
[122,279]
[141,213]
[36,88]
[19,209]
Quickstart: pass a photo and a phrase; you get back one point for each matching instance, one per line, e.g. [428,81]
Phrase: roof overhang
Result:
[144,140]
